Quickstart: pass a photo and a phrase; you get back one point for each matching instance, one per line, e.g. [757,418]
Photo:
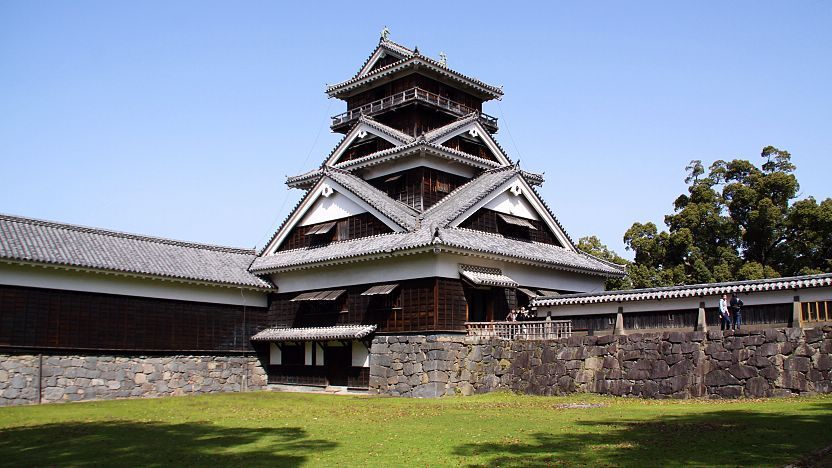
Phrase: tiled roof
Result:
[386,129]
[389,45]
[342,250]
[467,195]
[45,242]
[456,238]
[415,60]
[338,332]
[433,230]
[694,290]
[414,147]
[537,252]
[402,214]
[438,133]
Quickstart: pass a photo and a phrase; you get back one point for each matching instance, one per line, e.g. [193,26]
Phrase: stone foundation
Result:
[759,363]
[92,377]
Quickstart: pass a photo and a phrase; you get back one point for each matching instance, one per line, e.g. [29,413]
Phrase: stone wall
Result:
[92,377]
[761,363]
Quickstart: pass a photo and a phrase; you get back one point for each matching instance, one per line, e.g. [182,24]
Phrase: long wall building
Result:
[417,223]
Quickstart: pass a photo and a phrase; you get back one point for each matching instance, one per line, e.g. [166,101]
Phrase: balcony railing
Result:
[538,330]
[412,94]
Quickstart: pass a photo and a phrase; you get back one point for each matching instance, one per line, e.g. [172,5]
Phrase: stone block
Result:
[793,380]
[803,350]
[822,362]
[768,349]
[797,363]
[731,391]
[719,378]
[743,372]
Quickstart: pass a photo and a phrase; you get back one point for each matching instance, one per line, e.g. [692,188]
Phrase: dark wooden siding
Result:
[353,227]
[428,304]
[756,314]
[474,148]
[56,319]
[364,147]
[419,187]
[415,119]
[413,81]
[590,323]
[487,221]
[685,318]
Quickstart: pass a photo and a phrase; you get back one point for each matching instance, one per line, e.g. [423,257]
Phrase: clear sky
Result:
[182,119]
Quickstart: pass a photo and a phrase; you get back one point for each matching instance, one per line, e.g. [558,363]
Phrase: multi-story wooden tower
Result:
[416,222]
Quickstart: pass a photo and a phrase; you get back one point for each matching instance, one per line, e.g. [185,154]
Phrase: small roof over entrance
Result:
[338,332]
[482,276]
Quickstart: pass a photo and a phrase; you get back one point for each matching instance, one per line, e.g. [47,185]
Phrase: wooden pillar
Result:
[701,319]
[797,313]
[619,322]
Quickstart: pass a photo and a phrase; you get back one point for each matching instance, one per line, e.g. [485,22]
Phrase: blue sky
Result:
[182,119]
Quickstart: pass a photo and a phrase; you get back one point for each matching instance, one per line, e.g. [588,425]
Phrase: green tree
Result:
[739,221]
[593,246]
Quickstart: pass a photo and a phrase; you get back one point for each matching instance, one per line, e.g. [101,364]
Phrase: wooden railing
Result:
[537,330]
[412,94]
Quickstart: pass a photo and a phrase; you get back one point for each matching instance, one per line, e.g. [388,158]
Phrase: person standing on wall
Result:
[736,310]
[724,314]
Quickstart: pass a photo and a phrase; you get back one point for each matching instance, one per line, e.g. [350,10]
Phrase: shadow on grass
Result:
[730,437]
[155,444]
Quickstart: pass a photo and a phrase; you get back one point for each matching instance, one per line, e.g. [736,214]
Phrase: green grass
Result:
[278,429]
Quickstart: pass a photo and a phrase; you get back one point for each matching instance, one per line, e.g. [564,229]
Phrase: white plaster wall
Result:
[307,358]
[40,277]
[360,355]
[336,206]
[423,265]
[275,355]
[753,298]
[509,203]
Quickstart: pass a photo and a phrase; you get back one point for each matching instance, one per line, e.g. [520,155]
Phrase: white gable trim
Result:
[355,134]
[379,54]
[482,134]
[515,183]
[336,206]
[511,204]
[314,194]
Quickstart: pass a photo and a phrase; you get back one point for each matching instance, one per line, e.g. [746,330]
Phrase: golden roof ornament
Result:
[385,34]
[443,59]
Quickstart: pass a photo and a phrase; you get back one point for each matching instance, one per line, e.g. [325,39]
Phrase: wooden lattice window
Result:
[816,311]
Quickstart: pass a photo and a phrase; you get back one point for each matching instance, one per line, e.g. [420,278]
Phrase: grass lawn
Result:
[278,429]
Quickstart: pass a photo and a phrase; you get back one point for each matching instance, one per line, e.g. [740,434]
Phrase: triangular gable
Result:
[475,131]
[382,56]
[516,186]
[315,199]
[360,131]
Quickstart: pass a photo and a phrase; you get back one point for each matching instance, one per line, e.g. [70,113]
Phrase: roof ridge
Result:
[366,185]
[441,131]
[387,43]
[125,235]
[449,197]
[552,214]
[412,59]
[385,128]
[818,280]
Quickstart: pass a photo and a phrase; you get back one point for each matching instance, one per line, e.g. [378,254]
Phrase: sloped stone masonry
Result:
[75,378]
[772,362]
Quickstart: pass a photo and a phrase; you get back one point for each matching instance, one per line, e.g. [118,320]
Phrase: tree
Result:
[593,246]
[739,221]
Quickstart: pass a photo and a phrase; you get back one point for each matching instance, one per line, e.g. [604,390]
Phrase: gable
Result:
[362,140]
[516,194]
[336,206]
[315,209]
[473,139]
[381,57]
[513,205]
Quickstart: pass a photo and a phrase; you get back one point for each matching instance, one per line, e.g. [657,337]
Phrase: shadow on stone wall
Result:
[714,438]
[155,444]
